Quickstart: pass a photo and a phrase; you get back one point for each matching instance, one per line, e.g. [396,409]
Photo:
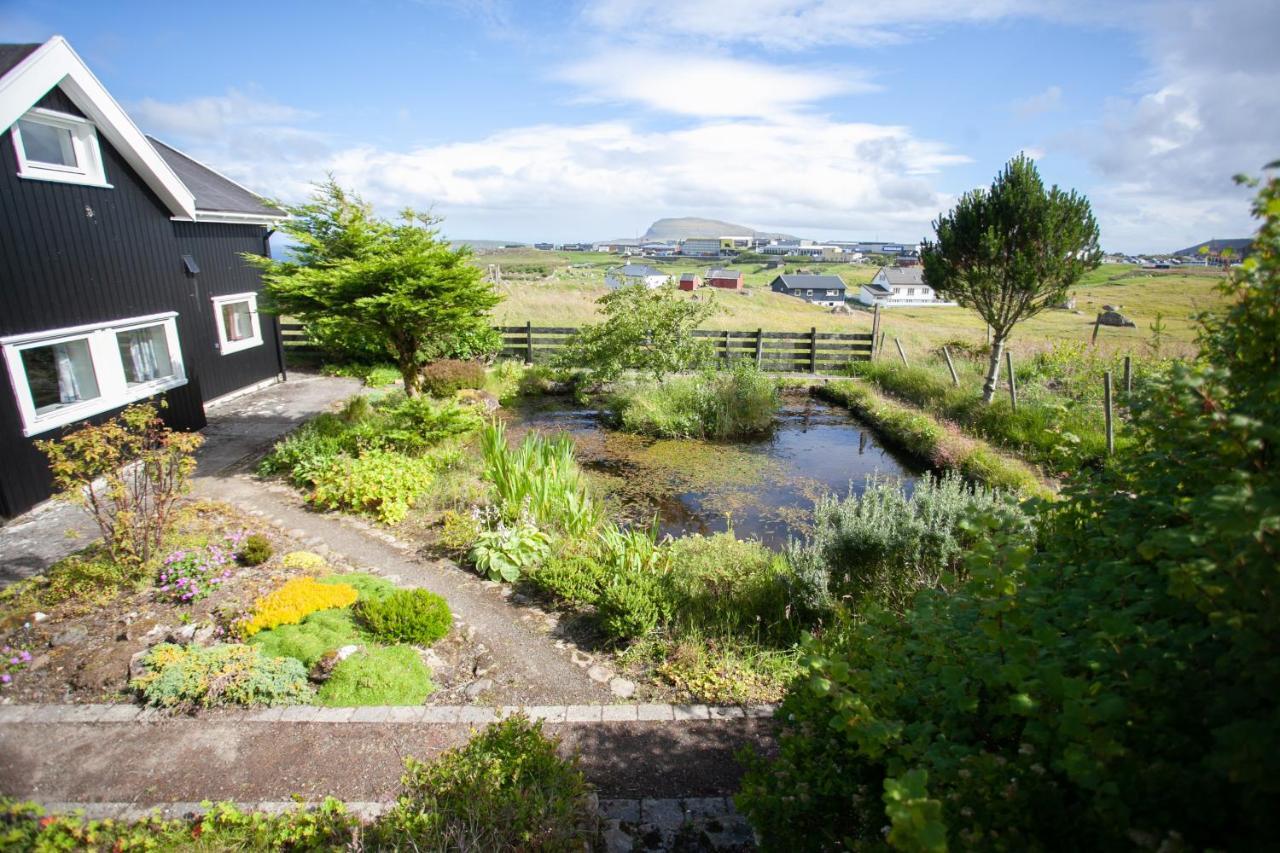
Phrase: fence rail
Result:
[810,351]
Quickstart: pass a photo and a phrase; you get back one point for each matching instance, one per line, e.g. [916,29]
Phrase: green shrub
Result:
[415,616]
[373,375]
[1115,689]
[721,585]
[631,606]
[505,552]
[885,545]
[508,789]
[312,638]
[305,561]
[367,586]
[720,405]
[223,826]
[183,677]
[447,376]
[459,530]
[575,578]
[381,483]
[380,675]
[255,550]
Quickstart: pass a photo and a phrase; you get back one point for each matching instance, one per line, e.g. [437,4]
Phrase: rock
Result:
[206,635]
[39,617]
[617,841]
[136,668]
[346,652]
[599,673]
[71,636]
[101,670]
[480,399]
[1115,318]
[1067,304]
[156,634]
[623,688]
[475,688]
[182,635]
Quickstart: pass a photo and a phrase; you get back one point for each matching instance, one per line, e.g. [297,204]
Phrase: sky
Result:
[829,119]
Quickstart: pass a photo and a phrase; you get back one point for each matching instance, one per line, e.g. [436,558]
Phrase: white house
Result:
[631,274]
[899,286]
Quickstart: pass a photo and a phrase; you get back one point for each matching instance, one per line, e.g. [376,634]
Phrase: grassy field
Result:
[560,288]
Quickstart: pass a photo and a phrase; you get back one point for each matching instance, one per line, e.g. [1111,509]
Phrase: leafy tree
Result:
[1011,251]
[390,286]
[1117,688]
[646,330]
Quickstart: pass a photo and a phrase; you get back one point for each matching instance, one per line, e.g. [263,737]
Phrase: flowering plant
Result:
[12,661]
[190,574]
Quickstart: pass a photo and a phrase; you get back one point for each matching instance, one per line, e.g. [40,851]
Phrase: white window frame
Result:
[225,345]
[113,389]
[84,140]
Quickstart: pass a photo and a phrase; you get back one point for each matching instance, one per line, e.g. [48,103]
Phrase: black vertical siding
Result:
[72,255]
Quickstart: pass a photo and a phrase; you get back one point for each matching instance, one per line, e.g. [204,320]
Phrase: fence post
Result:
[1128,377]
[875,328]
[528,342]
[759,347]
[727,358]
[897,343]
[1097,324]
[813,349]
[1106,401]
[879,349]
[1013,383]
[946,353]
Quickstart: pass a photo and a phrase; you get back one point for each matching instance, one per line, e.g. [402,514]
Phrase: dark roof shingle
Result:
[212,191]
[803,282]
[12,54]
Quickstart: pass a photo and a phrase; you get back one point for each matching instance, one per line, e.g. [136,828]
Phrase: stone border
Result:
[428,714]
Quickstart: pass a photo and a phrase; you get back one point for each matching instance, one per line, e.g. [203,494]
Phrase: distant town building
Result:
[899,286]
[690,281]
[700,247]
[546,247]
[732,245]
[635,274]
[576,247]
[828,290]
[725,279]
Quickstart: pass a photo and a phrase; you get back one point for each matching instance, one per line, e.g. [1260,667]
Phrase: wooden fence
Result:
[811,351]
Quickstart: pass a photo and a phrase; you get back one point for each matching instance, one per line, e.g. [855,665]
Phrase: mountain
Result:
[692,226]
[1241,246]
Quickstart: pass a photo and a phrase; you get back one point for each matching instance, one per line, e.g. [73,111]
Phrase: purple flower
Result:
[15,661]
[26,656]
[5,678]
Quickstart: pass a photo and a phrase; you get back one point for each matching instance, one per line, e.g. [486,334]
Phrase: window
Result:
[911,291]
[237,319]
[53,146]
[64,376]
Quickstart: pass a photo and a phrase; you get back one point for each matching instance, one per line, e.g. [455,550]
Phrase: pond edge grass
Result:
[932,441]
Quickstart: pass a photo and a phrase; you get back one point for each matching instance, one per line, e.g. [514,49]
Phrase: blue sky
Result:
[588,120]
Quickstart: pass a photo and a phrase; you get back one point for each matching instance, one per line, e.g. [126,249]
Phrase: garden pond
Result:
[762,489]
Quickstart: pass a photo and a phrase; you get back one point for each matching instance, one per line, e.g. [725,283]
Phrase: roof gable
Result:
[30,72]
[805,282]
[903,275]
[734,274]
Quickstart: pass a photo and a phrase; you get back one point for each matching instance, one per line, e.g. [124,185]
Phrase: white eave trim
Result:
[54,63]
[234,217]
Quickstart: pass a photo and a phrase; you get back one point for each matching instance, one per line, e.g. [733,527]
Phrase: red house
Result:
[690,281]
[727,279]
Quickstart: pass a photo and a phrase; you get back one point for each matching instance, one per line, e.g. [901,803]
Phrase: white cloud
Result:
[213,116]
[705,86]
[592,181]
[1047,101]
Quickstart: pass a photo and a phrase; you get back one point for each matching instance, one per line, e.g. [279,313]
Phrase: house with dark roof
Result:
[690,281]
[123,268]
[635,274]
[899,285]
[828,290]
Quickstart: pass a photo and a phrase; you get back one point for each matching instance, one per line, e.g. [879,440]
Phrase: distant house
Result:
[690,281]
[828,290]
[725,279]
[899,286]
[635,274]
[545,247]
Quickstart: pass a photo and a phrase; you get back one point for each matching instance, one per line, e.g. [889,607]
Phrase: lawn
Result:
[560,288]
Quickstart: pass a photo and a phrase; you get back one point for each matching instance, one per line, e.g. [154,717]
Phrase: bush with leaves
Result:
[292,602]
[415,616]
[129,474]
[381,483]
[378,675]
[508,789]
[1115,689]
[650,331]
[255,550]
[505,551]
[449,375]
[722,405]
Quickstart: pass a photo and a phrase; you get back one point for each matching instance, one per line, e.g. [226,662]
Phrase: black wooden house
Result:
[121,276]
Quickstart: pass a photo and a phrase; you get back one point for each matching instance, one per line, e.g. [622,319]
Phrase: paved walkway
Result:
[121,753]
[239,430]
